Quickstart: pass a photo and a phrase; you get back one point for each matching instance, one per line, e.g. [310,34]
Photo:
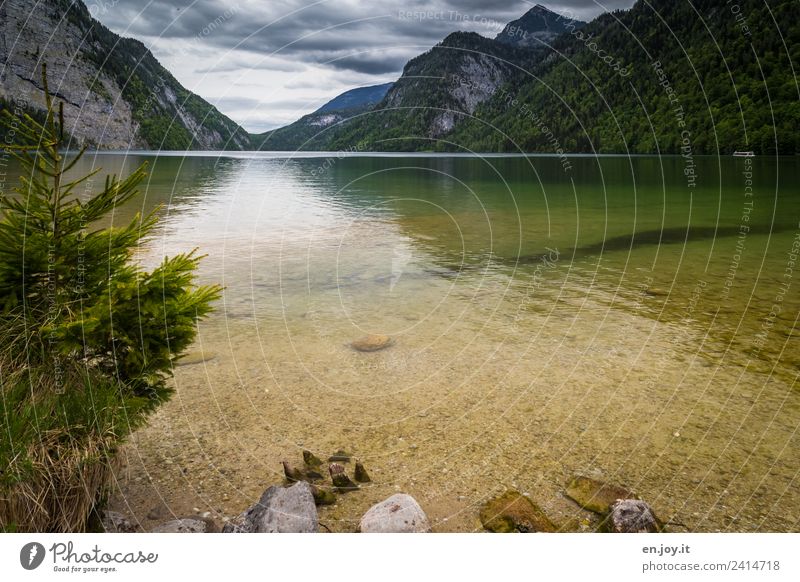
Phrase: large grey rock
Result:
[399,514]
[187,525]
[280,510]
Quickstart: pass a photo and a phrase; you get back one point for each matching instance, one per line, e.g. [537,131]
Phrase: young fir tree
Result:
[87,336]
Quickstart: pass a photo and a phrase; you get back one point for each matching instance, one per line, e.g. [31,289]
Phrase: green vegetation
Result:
[87,337]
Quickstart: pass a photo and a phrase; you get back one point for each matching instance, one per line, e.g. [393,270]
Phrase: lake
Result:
[632,319]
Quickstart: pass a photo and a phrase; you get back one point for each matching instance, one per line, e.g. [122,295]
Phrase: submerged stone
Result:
[372,343]
[340,479]
[291,473]
[311,460]
[196,357]
[323,496]
[596,495]
[361,474]
[312,475]
[340,456]
[513,512]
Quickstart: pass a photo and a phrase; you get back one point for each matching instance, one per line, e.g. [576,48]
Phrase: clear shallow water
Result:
[607,320]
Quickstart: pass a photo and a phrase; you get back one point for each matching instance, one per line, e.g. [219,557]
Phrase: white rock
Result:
[399,514]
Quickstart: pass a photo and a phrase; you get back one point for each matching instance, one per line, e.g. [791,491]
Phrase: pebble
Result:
[372,343]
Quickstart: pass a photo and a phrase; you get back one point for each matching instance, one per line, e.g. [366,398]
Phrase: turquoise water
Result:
[616,318]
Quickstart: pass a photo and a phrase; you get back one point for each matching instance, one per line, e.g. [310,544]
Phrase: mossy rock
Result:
[361,474]
[596,495]
[341,481]
[311,460]
[323,496]
[513,512]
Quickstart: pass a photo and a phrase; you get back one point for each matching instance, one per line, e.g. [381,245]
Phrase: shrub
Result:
[87,337]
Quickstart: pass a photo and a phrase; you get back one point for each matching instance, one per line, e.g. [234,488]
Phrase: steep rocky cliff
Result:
[115,93]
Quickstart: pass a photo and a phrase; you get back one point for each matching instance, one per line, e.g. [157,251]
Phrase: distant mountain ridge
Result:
[357,98]
[307,132]
[116,94]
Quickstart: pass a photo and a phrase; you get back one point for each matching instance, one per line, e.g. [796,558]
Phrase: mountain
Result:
[436,90]
[359,98]
[536,27]
[662,77]
[308,131]
[116,94]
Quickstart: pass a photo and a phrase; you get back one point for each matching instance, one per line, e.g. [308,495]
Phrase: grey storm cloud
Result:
[371,37]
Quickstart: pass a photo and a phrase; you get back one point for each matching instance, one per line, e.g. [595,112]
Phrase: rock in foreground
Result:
[595,495]
[632,516]
[280,510]
[513,512]
[399,514]
[187,525]
[372,343]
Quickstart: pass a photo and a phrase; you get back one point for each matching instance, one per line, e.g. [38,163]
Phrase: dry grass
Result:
[59,448]
[66,485]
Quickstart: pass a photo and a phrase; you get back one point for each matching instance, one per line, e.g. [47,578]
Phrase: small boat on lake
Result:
[744,154]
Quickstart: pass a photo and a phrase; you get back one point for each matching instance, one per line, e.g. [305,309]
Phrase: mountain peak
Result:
[538,26]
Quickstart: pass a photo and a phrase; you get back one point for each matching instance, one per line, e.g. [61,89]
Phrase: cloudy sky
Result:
[264,63]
